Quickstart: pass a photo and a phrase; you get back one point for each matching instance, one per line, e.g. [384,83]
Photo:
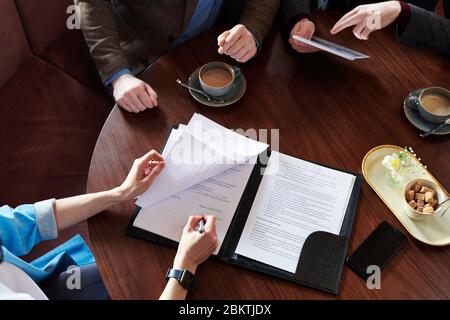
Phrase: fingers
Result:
[152,155]
[133,94]
[221,38]
[145,99]
[153,95]
[302,47]
[365,33]
[240,53]
[153,171]
[126,104]
[192,222]
[237,46]
[238,43]
[305,29]
[134,98]
[358,29]
[232,37]
[347,22]
[151,165]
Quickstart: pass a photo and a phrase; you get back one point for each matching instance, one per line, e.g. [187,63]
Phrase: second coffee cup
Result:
[216,78]
[433,104]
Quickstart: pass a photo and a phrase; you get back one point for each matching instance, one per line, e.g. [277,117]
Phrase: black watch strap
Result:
[185,277]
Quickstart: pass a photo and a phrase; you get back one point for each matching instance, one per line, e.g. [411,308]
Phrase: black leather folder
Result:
[321,259]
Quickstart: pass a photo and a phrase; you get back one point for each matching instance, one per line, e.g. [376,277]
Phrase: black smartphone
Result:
[378,249]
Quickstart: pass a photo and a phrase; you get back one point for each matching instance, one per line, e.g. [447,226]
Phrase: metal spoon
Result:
[441,205]
[207,96]
[426,134]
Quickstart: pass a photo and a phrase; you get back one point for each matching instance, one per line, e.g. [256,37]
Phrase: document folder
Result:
[321,259]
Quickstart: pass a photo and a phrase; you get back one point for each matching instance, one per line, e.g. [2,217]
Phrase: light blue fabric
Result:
[23,227]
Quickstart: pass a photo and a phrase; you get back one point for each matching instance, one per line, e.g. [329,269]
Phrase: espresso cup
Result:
[216,78]
[433,104]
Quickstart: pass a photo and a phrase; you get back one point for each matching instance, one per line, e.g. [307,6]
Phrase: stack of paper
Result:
[207,169]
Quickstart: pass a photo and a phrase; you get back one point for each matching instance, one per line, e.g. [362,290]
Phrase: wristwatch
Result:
[184,277]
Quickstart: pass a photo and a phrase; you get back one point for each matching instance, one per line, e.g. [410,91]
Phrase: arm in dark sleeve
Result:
[291,11]
[258,17]
[426,29]
[102,37]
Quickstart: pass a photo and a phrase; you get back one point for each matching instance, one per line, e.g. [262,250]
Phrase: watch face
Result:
[187,279]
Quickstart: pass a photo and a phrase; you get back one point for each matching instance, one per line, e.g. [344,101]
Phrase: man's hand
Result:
[368,18]
[305,28]
[238,43]
[196,247]
[133,94]
[141,176]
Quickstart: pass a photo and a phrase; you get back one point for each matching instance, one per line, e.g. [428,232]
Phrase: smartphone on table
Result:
[378,249]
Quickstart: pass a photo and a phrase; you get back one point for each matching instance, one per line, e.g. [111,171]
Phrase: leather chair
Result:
[52,103]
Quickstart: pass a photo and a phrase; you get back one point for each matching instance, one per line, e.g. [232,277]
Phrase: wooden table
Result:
[328,110]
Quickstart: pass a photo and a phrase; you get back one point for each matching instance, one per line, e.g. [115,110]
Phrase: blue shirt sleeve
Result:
[23,227]
[116,75]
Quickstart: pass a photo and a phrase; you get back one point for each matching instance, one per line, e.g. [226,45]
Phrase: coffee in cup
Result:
[433,104]
[216,78]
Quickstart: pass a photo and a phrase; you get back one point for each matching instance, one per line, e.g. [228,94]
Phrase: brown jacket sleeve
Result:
[258,16]
[102,36]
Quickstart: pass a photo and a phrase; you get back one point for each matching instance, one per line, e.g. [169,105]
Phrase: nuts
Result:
[421,198]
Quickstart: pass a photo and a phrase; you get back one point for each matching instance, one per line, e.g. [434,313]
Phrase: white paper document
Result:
[333,48]
[195,153]
[299,199]
[218,196]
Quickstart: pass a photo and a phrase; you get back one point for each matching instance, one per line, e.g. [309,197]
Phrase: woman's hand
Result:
[196,247]
[368,18]
[141,176]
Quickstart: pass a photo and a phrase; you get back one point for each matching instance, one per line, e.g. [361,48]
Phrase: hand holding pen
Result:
[198,242]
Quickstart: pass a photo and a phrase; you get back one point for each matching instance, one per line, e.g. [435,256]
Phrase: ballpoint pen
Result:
[200,227]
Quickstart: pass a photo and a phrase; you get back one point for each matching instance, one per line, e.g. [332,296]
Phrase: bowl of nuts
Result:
[421,199]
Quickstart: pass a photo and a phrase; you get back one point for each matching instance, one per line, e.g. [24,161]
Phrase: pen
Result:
[200,227]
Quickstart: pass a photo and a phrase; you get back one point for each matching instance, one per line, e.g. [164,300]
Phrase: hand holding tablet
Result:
[333,48]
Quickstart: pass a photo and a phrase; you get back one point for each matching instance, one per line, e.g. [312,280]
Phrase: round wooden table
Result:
[329,110]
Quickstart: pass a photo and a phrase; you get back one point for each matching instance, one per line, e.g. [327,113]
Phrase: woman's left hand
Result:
[141,176]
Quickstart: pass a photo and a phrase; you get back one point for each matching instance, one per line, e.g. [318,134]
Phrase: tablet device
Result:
[333,48]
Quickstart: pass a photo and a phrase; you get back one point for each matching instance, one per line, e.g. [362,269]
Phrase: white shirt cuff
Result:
[45,219]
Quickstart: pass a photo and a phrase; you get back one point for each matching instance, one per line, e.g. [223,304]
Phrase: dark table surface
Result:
[329,110]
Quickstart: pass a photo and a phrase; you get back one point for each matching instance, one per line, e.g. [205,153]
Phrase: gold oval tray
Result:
[434,230]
